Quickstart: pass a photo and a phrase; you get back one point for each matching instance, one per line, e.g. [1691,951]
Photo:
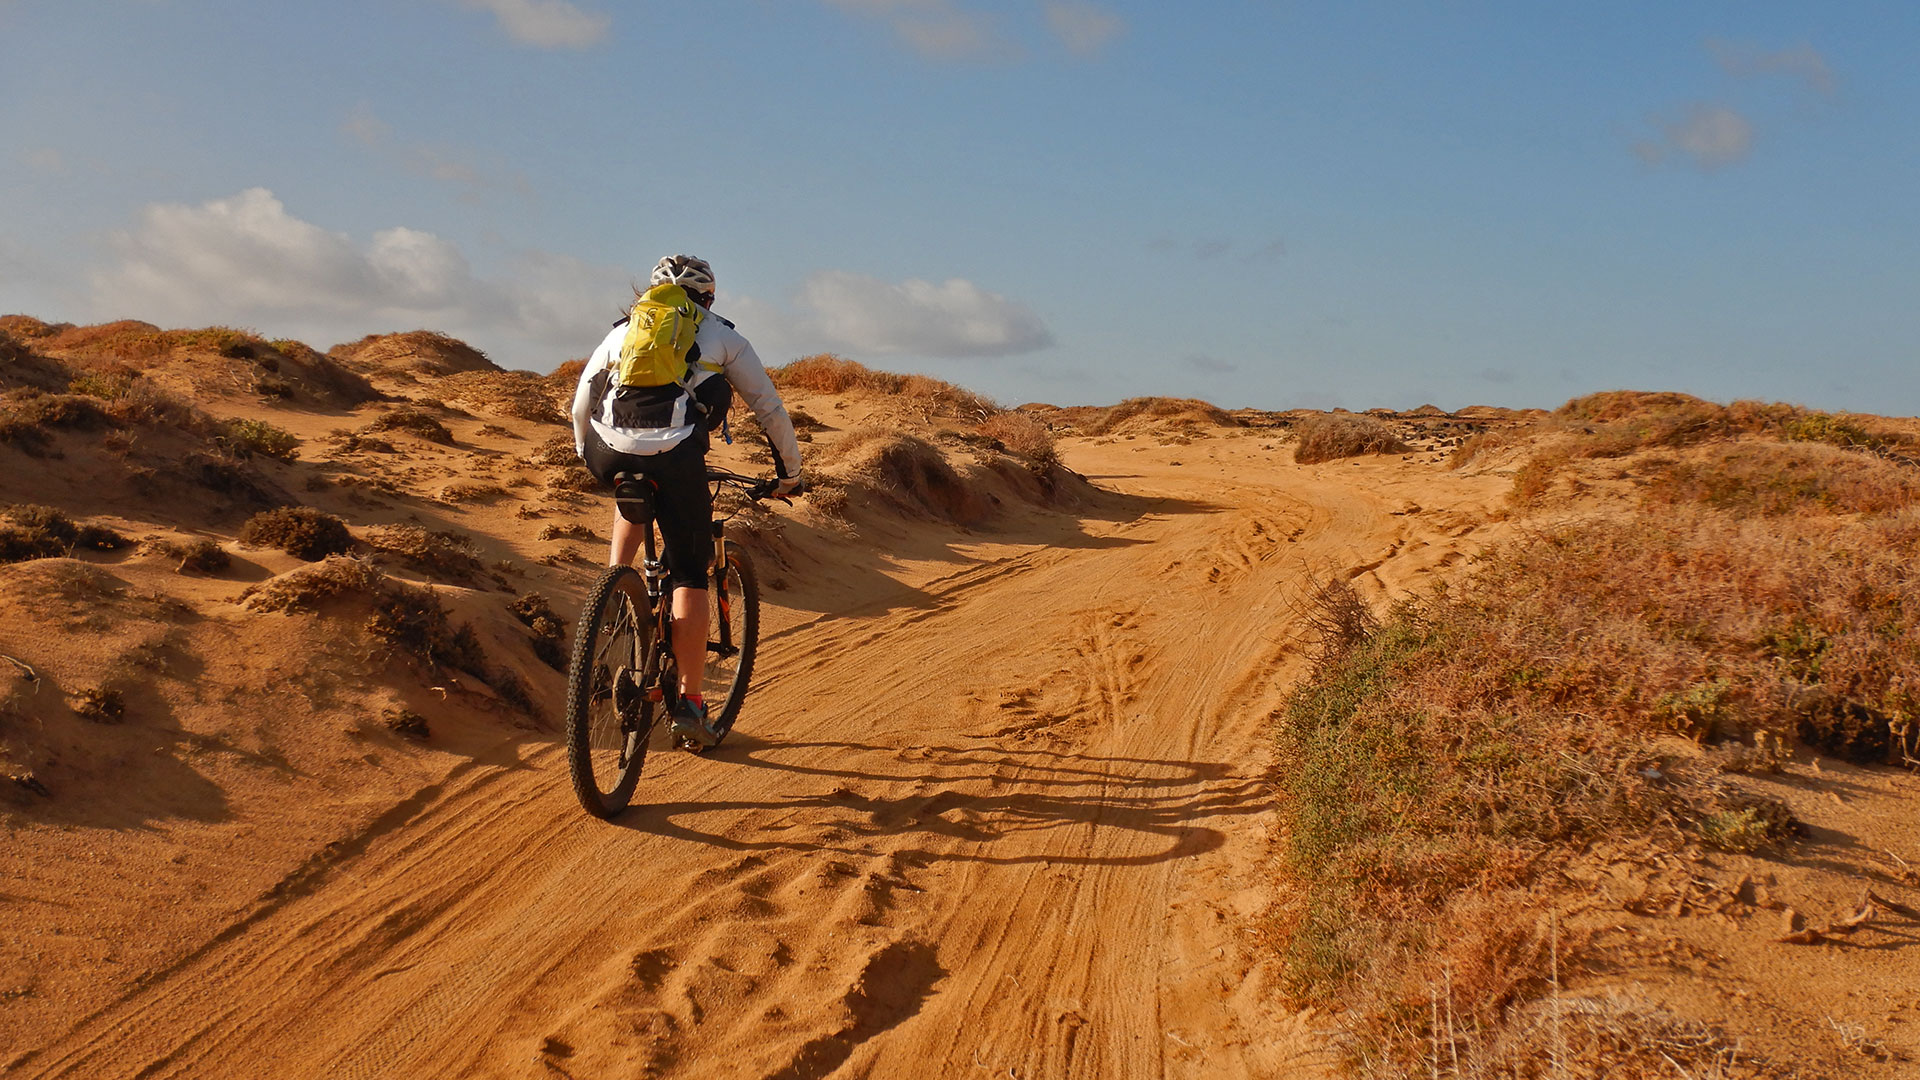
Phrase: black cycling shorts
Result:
[683,504]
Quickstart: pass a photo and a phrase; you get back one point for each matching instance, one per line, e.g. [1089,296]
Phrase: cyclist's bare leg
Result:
[690,637]
[626,541]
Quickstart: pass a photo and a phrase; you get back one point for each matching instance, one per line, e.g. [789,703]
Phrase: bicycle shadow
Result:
[1047,806]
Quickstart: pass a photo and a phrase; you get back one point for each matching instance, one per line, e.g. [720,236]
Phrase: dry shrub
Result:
[444,554]
[413,620]
[319,374]
[1609,1036]
[247,437]
[825,373]
[201,556]
[27,328]
[347,442]
[406,617]
[1775,478]
[1464,750]
[565,379]
[130,340]
[569,531]
[415,352]
[573,476]
[405,722]
[1192,410]
[1486,443]
[310,587]
[1532,480]
[1024,436]
[28,531]
[100,705]
[549,631]
[1619,422]
[465,491]
[300,531]
[416,422]
[905,471]
[1330,437]
[519,394]
[556,451]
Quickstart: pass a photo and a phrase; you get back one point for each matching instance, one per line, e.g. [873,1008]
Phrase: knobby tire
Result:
[742,587]
[590,683]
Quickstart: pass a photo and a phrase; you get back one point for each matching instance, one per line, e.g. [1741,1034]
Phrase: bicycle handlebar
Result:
[755,487]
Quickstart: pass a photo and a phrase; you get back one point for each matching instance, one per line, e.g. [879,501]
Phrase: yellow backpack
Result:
[660,332]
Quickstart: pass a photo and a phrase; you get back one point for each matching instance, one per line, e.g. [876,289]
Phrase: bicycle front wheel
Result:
[608,714]
[734,609]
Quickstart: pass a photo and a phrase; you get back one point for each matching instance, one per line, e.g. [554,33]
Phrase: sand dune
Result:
[999,802]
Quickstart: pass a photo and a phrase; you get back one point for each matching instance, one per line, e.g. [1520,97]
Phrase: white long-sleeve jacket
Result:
[720,345]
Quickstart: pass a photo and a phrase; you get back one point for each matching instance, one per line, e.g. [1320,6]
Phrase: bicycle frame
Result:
[657,600]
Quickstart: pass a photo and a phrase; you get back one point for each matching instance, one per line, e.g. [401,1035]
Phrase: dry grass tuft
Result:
[903,470]
[1026,437]
[1191,411]
[201,556]
[99,705]
[557,451]
[1775,478]
[573,476]
[1328,438]
[569,531]
[825,373]
[29,531]
[466,491]
[300,531]
[417,352]
[405,617]
[519,394]
[415,422]
[447,555]
[405,722]
[549,631]
[309,588]
[246,437]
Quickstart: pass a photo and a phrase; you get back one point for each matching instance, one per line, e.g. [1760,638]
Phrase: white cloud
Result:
[546,24]
[1708,137]
[847,312]
[935,28]
[1802,62]
[245,260]
[1084,28]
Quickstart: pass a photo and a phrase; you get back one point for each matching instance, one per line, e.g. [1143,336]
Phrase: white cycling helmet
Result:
[691,274]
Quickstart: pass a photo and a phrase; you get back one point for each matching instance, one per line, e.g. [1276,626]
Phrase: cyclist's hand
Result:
[789,486]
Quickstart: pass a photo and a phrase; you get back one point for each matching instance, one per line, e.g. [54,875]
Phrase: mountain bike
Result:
[623,677]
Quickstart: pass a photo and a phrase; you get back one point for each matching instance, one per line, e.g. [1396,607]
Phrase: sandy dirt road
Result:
[1007,818]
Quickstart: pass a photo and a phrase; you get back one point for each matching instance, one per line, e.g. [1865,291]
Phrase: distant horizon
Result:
[904,370]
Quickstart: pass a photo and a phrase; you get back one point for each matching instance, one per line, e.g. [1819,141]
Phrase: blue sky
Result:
[1259,203]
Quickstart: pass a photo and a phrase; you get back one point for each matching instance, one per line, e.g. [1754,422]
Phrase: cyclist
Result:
[661,433]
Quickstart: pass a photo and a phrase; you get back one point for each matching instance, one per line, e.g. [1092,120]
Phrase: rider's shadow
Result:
[1056,808]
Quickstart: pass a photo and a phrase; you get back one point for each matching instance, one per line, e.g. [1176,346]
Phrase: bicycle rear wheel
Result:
[608,714]
[734,609]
